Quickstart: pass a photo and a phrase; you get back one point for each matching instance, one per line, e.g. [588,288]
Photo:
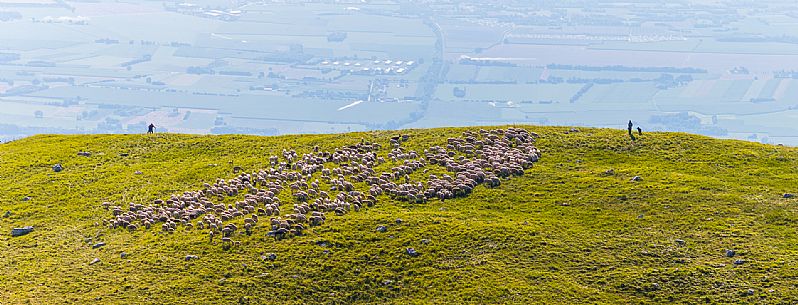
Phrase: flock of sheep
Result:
[334,182]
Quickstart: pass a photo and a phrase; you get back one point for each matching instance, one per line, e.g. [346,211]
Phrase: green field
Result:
[630,93]
[510,92]
[508,74]
[274,106]
[567,232]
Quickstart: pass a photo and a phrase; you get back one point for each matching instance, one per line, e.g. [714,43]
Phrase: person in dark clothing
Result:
[639,131]
[630,127]
[151,128]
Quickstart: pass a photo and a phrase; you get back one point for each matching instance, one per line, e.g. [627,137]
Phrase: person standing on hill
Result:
[630,127]
[151,128]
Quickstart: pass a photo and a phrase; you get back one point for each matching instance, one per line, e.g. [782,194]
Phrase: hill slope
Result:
[567,231]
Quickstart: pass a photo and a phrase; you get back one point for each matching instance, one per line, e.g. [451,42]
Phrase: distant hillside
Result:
[705,221]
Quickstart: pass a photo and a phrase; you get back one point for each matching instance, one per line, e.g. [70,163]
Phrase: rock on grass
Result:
[21,231]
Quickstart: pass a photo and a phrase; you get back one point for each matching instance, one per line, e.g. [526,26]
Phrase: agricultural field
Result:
[560,93]
[276,67]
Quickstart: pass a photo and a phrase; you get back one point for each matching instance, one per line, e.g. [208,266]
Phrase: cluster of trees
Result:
[21,90]
[459,92]
[666,81]
[130,63]
[10,129]
[685,122]
[6,57]
[9,16]
[334,94]
[336,37]
[41,63]
[482,62]
[107,41]
[244,130]
[581,92]
[759,39]
[619,68]
[235,73]
[786,74]
[199,70]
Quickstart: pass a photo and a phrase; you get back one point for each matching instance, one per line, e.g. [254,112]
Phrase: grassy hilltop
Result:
[566,232]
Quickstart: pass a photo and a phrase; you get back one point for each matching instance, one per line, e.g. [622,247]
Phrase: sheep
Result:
[316,221]
[476,158]
[278,233]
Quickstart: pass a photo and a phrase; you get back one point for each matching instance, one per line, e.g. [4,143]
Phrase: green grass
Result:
[563,233]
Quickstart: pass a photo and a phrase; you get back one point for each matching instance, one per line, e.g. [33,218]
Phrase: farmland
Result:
[276,67]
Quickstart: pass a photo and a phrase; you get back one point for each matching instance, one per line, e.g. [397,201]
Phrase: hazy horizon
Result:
[727,69]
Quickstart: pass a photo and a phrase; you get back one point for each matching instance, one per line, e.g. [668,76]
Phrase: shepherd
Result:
[630,127]
[151,128]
